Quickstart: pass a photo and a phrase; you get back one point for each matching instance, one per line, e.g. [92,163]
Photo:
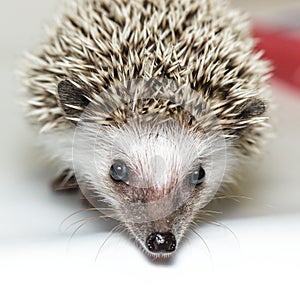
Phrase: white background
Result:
[260,260]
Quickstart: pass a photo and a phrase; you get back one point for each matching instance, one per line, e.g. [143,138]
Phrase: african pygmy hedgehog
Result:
[152,105]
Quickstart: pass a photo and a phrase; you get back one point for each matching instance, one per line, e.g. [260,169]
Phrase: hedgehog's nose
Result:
[161,242]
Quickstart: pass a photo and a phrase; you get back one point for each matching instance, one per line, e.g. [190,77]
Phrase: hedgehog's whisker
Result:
[71,215]
[204,242]
[91,219]
[81,211]
[107,238]
[210,211]
[216,223]
[201,218]
[97,217]
[219,224]
[81,225]
[234,197]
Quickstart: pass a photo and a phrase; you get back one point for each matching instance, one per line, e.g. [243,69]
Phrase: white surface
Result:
[37,261]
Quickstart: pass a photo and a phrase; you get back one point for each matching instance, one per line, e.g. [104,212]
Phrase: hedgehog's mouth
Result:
[158,251]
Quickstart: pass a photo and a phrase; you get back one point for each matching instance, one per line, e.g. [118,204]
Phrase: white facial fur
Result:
[160,159]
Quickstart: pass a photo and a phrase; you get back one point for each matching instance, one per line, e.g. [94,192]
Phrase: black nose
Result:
[161,242]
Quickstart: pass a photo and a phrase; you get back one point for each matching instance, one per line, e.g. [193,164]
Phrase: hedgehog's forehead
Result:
[161,148]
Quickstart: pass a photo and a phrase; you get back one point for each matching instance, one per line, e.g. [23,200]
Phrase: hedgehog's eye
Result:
[197,177]
[118,171]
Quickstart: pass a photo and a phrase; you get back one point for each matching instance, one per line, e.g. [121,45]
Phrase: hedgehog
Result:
[151,107]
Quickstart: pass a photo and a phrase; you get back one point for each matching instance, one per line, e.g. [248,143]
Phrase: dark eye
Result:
[197,177]
[118,171]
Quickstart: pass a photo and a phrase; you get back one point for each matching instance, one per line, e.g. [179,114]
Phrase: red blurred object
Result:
[282,48]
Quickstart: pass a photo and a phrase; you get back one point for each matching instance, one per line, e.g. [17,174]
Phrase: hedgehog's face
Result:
[157,200]
[157,178]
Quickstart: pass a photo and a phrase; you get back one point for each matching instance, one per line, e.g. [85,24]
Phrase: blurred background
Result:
[256,250]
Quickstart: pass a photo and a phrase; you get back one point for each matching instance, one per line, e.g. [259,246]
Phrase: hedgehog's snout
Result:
[161,242]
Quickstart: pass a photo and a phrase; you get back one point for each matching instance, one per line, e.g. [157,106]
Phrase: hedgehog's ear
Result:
[253,109]
[247,114]
[74,97]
